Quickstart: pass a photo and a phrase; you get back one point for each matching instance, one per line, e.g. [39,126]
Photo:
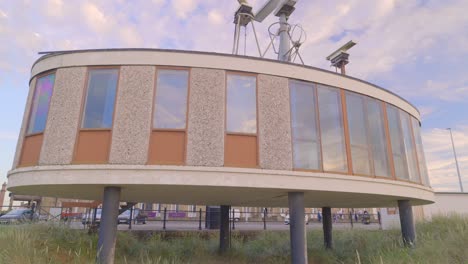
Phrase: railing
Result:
[165,219]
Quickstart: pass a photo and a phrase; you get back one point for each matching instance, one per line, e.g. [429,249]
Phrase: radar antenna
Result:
[291,37]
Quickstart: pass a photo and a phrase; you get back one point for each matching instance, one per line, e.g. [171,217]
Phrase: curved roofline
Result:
[57,53]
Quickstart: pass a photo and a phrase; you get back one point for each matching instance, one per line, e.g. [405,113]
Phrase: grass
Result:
[443,240]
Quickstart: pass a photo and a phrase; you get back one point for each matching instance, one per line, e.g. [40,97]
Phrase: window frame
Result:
[365,99]
[226,132]
[344,134]
[85,97]
[153,108]
[82,110]
[317,124]
[155,89]
[413,145]
[426,176]
[402,143]
[44,74]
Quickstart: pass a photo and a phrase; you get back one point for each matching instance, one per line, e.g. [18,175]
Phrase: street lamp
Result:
[456,161]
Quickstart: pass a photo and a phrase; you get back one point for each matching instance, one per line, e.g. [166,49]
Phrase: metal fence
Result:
[165,219]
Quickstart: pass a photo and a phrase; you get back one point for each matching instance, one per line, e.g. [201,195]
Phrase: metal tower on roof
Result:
[288,48]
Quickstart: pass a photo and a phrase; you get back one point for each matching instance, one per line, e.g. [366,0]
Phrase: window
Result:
[396,139]
[171,99]
[94,139]
[100,98]
[38,113]
[40,105]
[358,135]
[305,138]
[410,148]
[168,138]
[240,149]
[378,138]
[332,131]
[420,151]
[241,104]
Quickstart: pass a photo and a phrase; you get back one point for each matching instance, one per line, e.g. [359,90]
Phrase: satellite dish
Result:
[267,8]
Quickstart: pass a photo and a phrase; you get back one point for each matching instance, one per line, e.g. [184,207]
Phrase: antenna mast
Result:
[284,8]
[284,11]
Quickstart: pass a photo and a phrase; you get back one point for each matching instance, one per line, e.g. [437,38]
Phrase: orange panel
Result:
[93,147]
[31,150]
[240,151]
[167,147]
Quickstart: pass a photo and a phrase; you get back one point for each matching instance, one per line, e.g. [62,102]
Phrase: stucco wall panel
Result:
[24,124]
[63,118]
[274,123]
[205,138]
[132,121]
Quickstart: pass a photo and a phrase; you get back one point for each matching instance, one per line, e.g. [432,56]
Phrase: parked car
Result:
[18,216]
[124,218]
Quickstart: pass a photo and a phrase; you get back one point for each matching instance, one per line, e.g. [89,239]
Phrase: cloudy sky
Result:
[416,48]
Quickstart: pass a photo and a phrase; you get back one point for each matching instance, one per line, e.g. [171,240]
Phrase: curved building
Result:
[206,128]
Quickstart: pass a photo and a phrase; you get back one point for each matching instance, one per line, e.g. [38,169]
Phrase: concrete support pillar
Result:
[407,223]
[108,226]
[327,227]
[224,229]
[297,228]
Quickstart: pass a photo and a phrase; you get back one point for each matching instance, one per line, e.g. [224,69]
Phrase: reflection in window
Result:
[331,127]
[358,137]
[420,151]
[378,139]
[241,104]
[396,138]
[40,105]
[171,99]
[306,148]
[100,98]
[409,147]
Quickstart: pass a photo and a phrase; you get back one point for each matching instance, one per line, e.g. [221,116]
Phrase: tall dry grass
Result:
[443,240]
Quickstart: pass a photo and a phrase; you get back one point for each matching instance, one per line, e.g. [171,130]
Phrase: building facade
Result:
[177,127]
[198,128]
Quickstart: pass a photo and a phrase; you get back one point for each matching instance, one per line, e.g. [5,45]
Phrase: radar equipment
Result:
[288,48]
[339,58]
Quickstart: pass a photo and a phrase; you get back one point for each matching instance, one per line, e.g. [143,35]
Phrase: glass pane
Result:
[331,127]
[409,147]
[40,105]
[378,139]
[241,104]
[396,139]
[358,134]
[304,126]
[171,99]
[100,99]
[420,151]
[361,162]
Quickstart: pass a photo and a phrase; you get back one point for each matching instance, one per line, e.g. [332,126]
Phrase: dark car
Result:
[124,218]
[18,216]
